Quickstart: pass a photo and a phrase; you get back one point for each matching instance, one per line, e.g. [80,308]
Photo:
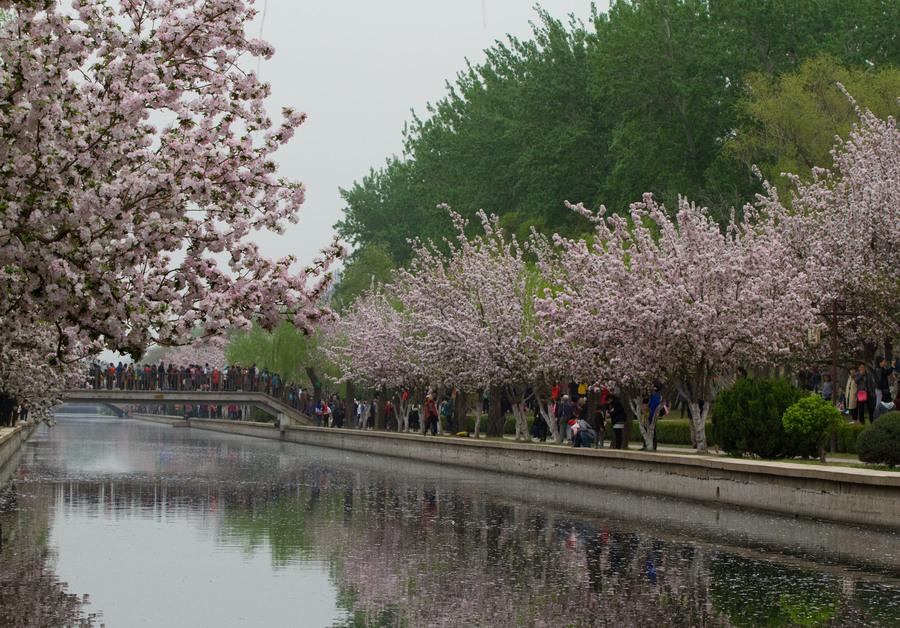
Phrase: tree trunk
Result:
[479,410]
[646,424]
[698,419]
[545,405]
[495,415]
[401,411]
[522,433]
[380,408]
[460,408]
[349,393]
[593,404]
[316,385]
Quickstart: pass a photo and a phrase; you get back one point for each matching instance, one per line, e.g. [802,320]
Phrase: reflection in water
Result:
[327,538]
[30,593]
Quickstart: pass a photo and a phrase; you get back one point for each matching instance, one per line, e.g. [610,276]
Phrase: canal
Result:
[122,523]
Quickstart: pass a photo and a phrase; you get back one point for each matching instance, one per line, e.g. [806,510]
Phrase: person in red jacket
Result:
[431,415]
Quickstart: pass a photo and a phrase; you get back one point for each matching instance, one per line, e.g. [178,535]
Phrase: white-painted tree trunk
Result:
[518,409]
[698,418]
[402,408]
[479,410]
[546,409]
[647,424]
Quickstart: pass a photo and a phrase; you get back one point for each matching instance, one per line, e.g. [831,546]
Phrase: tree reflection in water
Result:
[30,593]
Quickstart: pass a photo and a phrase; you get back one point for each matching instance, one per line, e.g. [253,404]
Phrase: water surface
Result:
[128,523]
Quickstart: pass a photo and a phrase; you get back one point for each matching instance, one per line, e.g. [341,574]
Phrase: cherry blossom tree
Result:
[680,300]
[371,345]
[210,353]
[137,162]
[595,309]
[29,370]
[474,317]
[841,225]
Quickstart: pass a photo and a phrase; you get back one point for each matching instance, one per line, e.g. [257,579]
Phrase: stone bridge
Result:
[284,414]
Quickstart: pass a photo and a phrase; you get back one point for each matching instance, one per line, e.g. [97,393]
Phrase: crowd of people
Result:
[569,411]
[865,394]
[191,377]
[571,415]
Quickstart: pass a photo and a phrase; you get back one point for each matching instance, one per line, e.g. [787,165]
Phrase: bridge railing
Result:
[207,404]
[175,379]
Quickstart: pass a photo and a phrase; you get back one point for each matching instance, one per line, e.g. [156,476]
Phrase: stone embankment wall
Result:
[848,495]
[11,440]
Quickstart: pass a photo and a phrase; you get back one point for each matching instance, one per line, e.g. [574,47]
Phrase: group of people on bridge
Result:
[194,377]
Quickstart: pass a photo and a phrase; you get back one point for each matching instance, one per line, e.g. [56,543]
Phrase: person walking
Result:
[339,412]
[563,415]
[431,416]
[862,394]
[883,372]
[850,395]
[617,418]
[322,413]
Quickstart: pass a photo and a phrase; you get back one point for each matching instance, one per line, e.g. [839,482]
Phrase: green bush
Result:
[846,436]
[673,432]
[747,419]
[880,443]
[678,432]
[812,419]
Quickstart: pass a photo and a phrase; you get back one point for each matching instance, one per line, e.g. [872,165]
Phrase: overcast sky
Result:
[357,68]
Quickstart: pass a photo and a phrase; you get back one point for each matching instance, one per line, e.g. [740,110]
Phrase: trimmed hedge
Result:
[847,436]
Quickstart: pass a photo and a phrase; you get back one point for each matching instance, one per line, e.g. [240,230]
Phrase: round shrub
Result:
[747,419]
[880,443]
[812,419]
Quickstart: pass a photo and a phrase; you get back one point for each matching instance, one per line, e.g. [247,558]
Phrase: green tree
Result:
[388,207]
[518,136]
[747,418]
[654,98]
[880,443]
[285,351]
[775,36]
[370,262]
[788,123]
[665,73]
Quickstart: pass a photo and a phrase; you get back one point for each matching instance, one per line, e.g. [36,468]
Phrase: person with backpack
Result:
[322,413]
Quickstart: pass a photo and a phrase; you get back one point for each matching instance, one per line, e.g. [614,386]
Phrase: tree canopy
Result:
[137,161]
[673,97]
